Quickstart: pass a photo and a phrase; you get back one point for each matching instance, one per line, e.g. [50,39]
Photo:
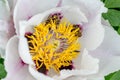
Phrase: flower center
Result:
[54,43]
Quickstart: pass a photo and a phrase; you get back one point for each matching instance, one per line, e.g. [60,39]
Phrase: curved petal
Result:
[96,78]
[24,50]
[93,34]
[97,9]
[25,27]
[24,9]
[76,78]
[108,64]
[92,10]
[67,12]
[4,10]
[38,75]
[13,63]
[111,41]
[73,78]
[78,17]
[84,65]
[89,63]
[108,52]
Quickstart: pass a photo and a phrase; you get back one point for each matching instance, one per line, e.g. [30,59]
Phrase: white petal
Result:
[108,64]
[75,78]
[24,50]
[21,74]
[38,75]
[111,41]
[25,27]
[4,10]
[108,53]
[71,78]
[67,11]
[25,9]
[89,63]
[16,70]
[12,53]
[96,78]
[93,34]
[84,65]
[92,10]
[41,8]
[78,17]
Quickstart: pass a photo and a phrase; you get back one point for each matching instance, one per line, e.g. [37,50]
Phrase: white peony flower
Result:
[56,40]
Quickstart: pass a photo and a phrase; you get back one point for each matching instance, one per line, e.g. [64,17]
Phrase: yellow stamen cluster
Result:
[54,45]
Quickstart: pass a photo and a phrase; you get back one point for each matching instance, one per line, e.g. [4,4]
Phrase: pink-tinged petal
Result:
[25,28]
[37,75]
[66,11]
[59,3]
[92,10]
[24,51]
[4,10]
[84,65]
[10,28]
[16,69]
[7,27]
[25,9]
